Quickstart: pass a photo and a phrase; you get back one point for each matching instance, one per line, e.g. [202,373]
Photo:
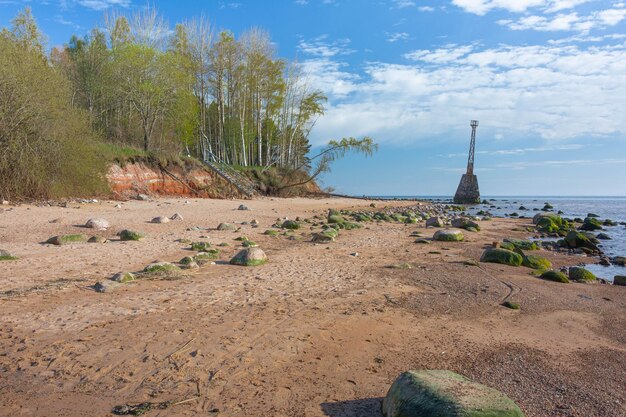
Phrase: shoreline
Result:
[315,331]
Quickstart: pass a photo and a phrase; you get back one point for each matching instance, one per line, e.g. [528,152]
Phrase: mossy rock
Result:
[336,218]
[577,273]
[556,276]
[242,238]
[249,244]
[200,246]
[422,241]
[204,257]
[162,268]
[187,260]
[448,235]
[123,277]
[590,224]
[439,393]
[351,226]
[129,235]
[249,257]
[463,223]
[555,218]
[271,232]
[226,227]
[536,262]
[362,218]
[575,239]
[470,262]
[522,244]
[67,239]
[511,305]
[547,225]
[501,256]
[6,256]
[290,225]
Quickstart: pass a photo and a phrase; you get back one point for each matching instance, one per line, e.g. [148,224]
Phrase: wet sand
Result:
[315,332]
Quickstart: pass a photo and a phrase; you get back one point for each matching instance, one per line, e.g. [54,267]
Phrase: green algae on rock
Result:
[448,235]
[249,257]
[536,262]
[439,393]
[67,239]
[555,276]
[577,273]
[290,225]
[501,256]
[129,235]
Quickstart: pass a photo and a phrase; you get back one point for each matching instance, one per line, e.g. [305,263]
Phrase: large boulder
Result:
[590,224]
[445,394]
[98,224]
[536,262]
[556,219]
[556,276]
[129,235]
[619,260]
[619,280]
[67,239]
[520,244]
[249,257]
[464,223]
[575,239]
[434,222]
[548,222]
[501,256]
[577,273]
[290,225]
[448,235]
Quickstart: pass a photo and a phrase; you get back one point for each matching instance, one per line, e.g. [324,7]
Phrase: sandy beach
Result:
[317,331]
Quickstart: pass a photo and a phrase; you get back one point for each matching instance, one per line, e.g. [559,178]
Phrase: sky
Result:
[546,79]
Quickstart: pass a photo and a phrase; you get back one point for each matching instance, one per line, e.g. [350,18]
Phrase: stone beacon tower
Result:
[468,193]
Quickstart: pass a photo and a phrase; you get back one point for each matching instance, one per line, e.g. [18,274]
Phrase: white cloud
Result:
[449,53]
[302,2]
[567,22]
[481,7]
[397,36]
[555,92]
[322,47]
[103,4]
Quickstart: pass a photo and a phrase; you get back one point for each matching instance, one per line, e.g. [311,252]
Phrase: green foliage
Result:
[46,145]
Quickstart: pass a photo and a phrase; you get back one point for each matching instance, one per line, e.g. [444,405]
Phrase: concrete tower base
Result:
[467,193]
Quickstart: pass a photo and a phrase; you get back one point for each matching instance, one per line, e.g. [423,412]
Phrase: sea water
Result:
[613,208]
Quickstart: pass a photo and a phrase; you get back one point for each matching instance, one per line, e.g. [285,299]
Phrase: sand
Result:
[315,332]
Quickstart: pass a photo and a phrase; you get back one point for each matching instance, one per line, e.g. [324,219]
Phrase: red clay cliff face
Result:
[136,178]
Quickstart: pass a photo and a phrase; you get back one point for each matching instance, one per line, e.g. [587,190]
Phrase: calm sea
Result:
[613,208]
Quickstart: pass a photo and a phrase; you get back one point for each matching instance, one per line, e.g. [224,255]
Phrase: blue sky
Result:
[545,78]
